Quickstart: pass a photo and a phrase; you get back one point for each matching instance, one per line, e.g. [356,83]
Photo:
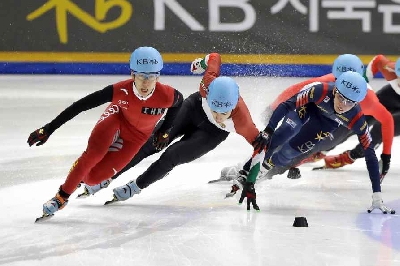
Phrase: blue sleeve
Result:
[360,127]
[313,92]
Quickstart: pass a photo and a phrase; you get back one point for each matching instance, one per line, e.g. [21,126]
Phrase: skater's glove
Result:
[161,139]
[263,140]
[385,165]
[198,66]
[249,192]
[237,183]
[39,136]
[377,203]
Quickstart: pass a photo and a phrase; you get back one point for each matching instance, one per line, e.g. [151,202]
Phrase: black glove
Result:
[385,165]
[249,192]
[262,141]
[39,136]
[161,139]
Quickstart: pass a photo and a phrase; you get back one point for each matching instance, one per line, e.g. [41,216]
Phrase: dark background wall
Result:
[263,27]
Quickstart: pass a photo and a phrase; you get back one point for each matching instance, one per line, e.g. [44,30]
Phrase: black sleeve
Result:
[88,102]
[172,112]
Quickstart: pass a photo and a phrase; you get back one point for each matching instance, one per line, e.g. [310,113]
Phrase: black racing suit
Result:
[199,136]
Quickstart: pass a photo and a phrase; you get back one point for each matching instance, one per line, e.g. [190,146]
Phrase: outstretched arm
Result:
[40,136]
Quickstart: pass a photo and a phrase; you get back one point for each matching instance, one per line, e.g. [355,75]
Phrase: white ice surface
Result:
[180,220]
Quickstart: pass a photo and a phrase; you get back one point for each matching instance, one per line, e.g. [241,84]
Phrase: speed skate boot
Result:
[241,179]
[57,203]
[267,164]
[228,173]
[313,158]
[124,192]
[265,169]
[238,183]
[91,190]
[337,161]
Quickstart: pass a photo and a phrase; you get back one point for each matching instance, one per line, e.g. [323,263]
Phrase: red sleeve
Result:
[243,122]
[294,89]
[381,64]
[371,106]
[212,72]
[173,95]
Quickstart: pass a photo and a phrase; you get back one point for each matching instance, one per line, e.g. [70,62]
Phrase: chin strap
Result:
[140,97]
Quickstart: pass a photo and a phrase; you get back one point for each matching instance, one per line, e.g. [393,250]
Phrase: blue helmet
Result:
[146,60]
[223,94]
[347,62]
[397,67]
[352,86]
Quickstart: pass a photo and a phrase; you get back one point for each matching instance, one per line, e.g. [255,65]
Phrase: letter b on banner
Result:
[214,15]
[214,7]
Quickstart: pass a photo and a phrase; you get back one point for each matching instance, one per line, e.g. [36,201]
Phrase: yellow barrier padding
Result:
[95,57]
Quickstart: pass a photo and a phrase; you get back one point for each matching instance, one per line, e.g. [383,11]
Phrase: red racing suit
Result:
[122,129]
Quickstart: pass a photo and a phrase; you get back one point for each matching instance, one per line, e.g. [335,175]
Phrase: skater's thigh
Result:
[113,162]
[195,145]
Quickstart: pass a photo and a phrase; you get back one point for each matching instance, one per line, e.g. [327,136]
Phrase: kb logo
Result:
[350,85]
[345,69]
[221,104]
[147,61]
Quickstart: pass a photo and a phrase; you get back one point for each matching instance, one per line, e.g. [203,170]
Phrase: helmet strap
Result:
[138,95]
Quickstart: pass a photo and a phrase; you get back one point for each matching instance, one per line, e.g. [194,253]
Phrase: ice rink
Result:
[180,220]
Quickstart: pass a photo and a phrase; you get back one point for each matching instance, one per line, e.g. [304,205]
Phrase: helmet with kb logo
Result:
[352,86]
[347,62]
[146,60]
[223,95]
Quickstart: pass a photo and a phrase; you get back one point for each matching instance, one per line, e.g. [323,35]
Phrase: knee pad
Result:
[357,153]
[285,155]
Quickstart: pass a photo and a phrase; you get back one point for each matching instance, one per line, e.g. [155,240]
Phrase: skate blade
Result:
[230,195]
[216,181]
[43,218]
[84,195]
[114,199]
[319,168]
[220,180]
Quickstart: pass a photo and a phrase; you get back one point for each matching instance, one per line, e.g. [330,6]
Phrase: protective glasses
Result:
[344,100]
[221,113]
[143,76]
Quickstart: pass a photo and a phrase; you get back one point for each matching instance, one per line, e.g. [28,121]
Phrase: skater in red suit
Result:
[136,105]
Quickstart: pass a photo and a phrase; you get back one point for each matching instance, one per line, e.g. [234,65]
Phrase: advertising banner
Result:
[250,33]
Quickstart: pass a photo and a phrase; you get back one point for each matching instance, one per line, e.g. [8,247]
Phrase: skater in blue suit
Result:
[312,115]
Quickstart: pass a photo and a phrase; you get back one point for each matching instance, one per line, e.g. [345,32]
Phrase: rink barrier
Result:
[180,69]
[174,64]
